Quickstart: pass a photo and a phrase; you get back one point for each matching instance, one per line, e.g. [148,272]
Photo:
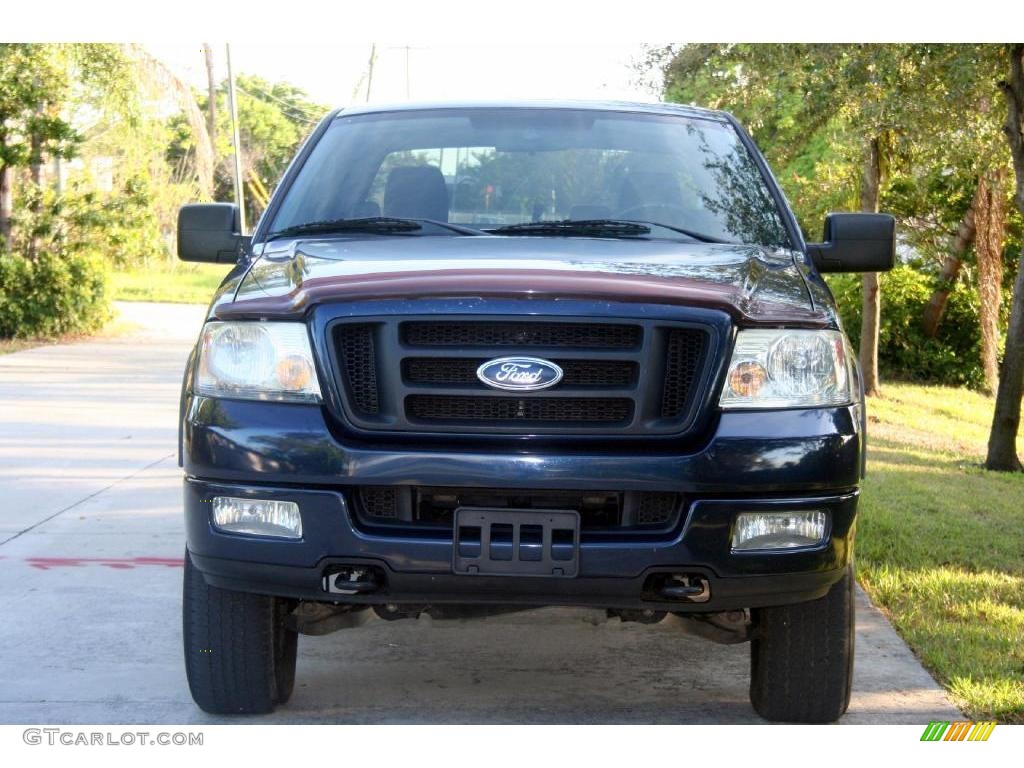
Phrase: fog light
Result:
[257,517]
[778,530]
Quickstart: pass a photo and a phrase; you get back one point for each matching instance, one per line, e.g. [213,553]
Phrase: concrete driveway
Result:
[91,539]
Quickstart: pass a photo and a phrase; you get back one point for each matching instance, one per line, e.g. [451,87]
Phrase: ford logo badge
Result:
[519,374]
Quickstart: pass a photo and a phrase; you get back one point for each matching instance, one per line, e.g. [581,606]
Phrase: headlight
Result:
[257,361]
[788,369]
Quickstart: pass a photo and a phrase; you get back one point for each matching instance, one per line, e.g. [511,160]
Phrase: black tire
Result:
[286,647]
[239,655]
[801,657]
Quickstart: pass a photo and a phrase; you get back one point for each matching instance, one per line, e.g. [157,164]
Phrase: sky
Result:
[336,75]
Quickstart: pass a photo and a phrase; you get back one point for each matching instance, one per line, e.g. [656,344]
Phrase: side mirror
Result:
[210,232]
[856,242]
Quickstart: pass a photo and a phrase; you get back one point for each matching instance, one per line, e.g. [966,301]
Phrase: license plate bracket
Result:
[516,542]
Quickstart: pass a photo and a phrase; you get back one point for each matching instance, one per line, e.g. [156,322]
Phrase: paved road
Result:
[91,538]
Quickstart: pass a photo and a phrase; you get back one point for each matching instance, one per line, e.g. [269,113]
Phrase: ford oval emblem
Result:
[519,374]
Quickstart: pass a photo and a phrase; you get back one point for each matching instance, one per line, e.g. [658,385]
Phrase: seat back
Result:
[416,192]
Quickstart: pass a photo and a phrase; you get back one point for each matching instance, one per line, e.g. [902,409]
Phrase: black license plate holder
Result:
[516,542]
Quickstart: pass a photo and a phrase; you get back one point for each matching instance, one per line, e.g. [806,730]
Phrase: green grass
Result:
[940,544]
[168,281]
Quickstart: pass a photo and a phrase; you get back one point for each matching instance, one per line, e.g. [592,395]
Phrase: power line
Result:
[295,109]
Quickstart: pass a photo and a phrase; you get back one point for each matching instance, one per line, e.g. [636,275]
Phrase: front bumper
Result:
[802,459]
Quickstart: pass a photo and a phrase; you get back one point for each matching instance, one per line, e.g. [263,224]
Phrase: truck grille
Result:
[424,507]
[401,374]
[462,371]
[359,366]
[682,362]
[502,410]
[518,334]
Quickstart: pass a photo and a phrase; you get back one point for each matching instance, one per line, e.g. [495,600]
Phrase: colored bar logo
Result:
[969,731]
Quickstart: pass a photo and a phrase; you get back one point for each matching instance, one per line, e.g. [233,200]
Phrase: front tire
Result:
[801,657]
[239,655]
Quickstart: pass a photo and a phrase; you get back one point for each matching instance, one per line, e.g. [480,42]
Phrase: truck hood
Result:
[755,285]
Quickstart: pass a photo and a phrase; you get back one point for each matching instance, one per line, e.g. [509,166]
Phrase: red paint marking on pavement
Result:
[119,563]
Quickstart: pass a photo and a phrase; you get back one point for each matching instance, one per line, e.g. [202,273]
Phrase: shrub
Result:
[953,357]
[51,294]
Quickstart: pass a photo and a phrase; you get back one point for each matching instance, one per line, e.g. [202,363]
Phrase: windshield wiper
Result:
[374,224]
[598,228]
[576,228]
[688,232]
[381,224]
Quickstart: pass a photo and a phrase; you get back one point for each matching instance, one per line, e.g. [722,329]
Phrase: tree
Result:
[154,74]
[1002,442]
[871,313]
[211,94]
[967,156]
[273,119]
[984,227]
[990,206]
[40,85]
[33,88]
[961,242]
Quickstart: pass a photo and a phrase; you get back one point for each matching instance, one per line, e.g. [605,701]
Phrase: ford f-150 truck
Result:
[486,357]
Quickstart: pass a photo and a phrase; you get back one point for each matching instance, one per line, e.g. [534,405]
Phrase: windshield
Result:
[489,168]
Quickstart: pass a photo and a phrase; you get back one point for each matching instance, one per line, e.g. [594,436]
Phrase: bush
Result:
[953,357]
[51,294]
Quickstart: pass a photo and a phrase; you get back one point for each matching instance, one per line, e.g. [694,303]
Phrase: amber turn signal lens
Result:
[294,372]
[746,379]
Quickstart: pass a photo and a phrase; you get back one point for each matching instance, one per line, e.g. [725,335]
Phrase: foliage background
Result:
[100,145]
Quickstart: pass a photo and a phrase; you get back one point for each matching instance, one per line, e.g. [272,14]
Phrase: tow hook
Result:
[685,587]
[352,580]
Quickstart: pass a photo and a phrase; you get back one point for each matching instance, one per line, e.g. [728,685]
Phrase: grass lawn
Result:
[940,543]
[175,282]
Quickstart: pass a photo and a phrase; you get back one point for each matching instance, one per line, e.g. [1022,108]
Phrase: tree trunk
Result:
[871,182]
[36,158]
[936,305]
[1002,441]
[211,86]
[991,232]
[6,205]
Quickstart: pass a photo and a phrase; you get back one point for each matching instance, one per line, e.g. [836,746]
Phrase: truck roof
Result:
[659,108]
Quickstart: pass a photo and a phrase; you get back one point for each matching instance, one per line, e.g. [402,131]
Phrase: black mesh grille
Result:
[490,334]
[435,506]
[554,410]
[656,508]
[609,374]
[682,366]
[359,366]
[380,501]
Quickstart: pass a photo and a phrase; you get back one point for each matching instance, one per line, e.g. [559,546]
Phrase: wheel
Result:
[801,657]
[239,655]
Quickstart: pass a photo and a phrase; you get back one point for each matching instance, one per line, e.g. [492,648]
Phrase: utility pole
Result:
[233,104]
[369,77]
[407,71]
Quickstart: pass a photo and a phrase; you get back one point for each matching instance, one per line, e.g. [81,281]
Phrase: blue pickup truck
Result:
[489,357]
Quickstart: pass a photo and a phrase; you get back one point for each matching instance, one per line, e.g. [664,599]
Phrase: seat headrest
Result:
[416,192]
